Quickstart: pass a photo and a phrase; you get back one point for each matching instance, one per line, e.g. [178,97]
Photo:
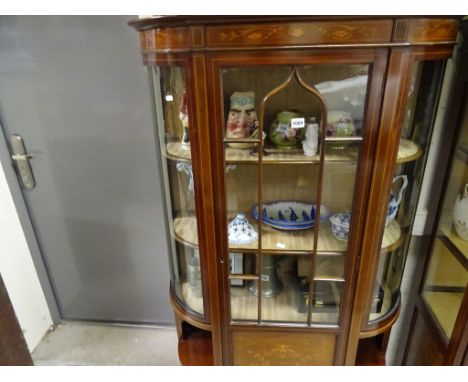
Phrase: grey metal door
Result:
[75,90]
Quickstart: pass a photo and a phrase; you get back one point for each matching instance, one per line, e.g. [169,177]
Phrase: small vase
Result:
[460,214]
[310,143]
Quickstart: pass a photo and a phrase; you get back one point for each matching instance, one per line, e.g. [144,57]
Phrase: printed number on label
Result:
[298,123]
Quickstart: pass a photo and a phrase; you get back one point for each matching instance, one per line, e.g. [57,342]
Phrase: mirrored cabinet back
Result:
[292,151]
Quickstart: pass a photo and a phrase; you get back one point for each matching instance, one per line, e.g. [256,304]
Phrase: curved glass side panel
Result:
[172,130]
[419,117]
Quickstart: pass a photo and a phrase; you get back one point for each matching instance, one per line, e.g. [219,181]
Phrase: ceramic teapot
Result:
[460,214]
[395,202]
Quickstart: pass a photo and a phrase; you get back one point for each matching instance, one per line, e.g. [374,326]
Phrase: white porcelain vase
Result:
[460,214]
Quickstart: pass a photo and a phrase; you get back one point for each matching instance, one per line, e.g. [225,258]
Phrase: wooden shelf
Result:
[282,242]
[445,306]
[192,298]
[174,152]
[282,308]
[407,151]
[447,230]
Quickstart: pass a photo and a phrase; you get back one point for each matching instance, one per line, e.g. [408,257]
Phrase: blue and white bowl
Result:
[290,215]
[340,225]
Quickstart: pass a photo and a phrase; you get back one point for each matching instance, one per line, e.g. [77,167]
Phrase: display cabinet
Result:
[439,334]
[292,151]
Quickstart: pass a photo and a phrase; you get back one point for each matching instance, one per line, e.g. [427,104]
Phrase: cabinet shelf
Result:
[407,151]
[281,242]
[459,246]
[445,306]
[282,308]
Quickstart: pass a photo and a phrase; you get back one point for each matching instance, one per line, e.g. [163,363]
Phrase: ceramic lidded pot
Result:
[340,124]
[240,231]
[241,118]
[460,214]
[281,134]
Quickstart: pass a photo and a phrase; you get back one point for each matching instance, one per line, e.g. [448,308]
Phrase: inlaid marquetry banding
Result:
[321,32]
[166,38]
[400,30]
[198,36]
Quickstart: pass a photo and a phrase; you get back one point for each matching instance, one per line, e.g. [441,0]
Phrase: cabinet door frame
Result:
[377,59]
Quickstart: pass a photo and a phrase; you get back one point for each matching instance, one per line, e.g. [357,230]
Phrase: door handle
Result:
[21,159]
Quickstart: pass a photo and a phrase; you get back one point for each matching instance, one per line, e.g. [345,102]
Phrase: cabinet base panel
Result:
[370,353]
[196,349]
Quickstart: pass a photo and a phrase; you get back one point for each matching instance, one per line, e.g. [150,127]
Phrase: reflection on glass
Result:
[419,116]
[173,133]
[447,274]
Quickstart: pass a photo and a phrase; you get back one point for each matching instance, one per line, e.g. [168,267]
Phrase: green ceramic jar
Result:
[281,134]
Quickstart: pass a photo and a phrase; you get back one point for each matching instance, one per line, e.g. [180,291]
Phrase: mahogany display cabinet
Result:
[292,151]
[439,334]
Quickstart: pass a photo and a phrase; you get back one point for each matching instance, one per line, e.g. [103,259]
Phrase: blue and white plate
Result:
[290,215]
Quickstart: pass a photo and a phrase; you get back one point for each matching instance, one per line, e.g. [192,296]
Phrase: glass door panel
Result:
[447,273]
[293,134]
[173,135]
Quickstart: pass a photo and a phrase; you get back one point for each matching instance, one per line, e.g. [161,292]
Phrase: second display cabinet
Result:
[292,151]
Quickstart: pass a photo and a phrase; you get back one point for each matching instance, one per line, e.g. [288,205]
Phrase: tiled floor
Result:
[77,343]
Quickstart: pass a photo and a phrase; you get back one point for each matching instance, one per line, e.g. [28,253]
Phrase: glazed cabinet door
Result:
[293,137]
[170,85]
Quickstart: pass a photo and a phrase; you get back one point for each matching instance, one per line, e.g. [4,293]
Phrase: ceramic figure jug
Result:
[395,202]
[460,214]
[183,116]
[241,118]
[282,134]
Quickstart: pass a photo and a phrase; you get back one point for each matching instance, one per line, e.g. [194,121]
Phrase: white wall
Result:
[18,272]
